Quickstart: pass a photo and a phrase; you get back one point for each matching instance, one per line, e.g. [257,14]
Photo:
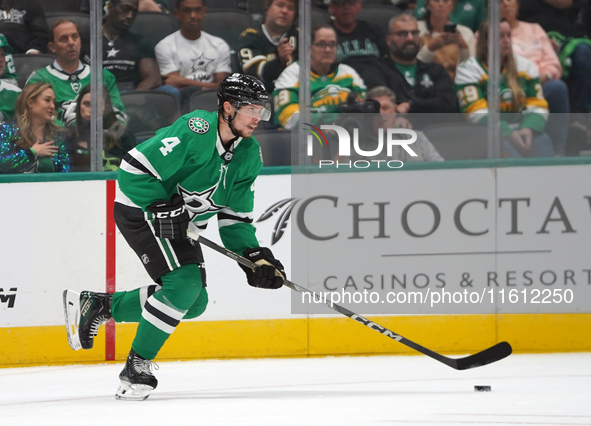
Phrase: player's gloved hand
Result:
[269,272]
[171,219]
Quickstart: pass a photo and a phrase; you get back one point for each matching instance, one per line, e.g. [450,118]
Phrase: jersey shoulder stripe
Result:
[526,68]
[470,72]
[289,78]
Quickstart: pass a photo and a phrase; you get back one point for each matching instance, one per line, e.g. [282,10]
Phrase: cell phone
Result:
[449,28]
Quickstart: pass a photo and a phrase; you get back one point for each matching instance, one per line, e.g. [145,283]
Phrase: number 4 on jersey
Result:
[169,144]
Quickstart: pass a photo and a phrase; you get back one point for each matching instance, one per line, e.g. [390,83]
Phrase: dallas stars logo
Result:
[112,53]
[200,63]
[200,202]
[198,125]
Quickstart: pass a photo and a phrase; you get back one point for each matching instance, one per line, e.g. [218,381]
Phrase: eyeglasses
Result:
[405,34]
[323,45]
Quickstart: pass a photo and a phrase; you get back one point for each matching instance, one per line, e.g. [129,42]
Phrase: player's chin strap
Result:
[230,119]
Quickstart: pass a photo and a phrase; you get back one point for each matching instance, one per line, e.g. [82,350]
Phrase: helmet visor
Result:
[261,111]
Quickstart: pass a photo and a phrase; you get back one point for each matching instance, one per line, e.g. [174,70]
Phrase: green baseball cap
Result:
[4,44]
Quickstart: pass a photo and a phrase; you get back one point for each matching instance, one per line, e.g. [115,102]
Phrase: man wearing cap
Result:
[9,91]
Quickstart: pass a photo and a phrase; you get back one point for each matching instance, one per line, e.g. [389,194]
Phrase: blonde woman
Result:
[524,110]
[32,142]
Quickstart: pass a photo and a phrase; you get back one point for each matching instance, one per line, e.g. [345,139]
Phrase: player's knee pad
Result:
[199,306]
[182,286]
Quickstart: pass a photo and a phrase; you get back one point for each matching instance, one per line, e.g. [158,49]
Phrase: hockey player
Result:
[204,164]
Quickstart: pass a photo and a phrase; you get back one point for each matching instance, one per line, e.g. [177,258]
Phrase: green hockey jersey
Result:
[188,158]
[67,86]
[8,94]
[471,85]
[329,92]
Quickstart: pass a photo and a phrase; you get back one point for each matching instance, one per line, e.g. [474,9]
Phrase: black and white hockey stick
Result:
[494,353]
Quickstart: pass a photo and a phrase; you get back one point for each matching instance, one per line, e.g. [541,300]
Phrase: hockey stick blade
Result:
[487,356]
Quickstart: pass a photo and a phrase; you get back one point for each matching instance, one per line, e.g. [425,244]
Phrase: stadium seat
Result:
[204,99]
[148,111]
[60,6]
[459,141]
[255,7]
[226,4]
[275,146]
[82,20]
[223,4]
[154,26]
[227,24]
[378,14]
[26,64]
[319,16]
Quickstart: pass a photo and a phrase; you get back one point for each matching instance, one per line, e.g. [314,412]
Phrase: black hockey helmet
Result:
[243,89]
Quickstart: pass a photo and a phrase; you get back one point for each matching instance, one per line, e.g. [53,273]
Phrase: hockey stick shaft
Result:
[487,356]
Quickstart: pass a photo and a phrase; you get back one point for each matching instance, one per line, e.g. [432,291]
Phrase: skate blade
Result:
[72,317]
[130,392]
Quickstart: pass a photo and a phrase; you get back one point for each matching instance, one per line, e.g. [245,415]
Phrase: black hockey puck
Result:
[480,388]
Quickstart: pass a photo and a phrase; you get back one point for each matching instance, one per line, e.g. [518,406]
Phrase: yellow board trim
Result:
[450,334]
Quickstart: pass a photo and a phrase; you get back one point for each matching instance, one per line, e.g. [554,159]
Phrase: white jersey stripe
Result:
[165,309]
[228,222]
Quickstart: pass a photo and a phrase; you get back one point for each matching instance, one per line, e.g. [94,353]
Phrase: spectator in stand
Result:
[469,13]
[531,41]
[267,49]
[360,44]
[145,5]
[419,87]
[153,6]
[68,74]
[559,18]
[191,59]
[523,107]
[443,42]
[24,25]
[33,143]
[331,83]
[387,119]
[9,91]
[117,139]
[125,54]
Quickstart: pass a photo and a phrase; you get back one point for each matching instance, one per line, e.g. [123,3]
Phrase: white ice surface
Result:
[546,389]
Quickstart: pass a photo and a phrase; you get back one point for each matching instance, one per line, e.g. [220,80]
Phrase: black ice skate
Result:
[85,312]
[137,380]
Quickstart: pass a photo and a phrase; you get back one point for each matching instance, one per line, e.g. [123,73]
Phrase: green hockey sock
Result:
[165,308]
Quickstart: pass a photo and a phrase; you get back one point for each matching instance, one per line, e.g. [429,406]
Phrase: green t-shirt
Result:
[469,13]
[408,71]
